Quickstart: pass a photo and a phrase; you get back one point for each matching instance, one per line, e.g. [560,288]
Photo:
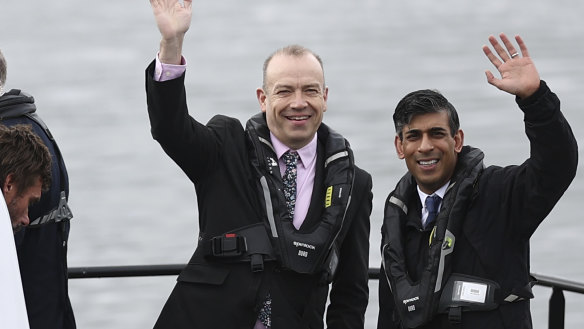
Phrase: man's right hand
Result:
[173,19]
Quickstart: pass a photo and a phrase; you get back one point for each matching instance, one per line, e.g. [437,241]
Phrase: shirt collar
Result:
[307,153]
[440,192]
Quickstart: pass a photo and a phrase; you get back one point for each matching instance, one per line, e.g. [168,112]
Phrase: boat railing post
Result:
[557,309]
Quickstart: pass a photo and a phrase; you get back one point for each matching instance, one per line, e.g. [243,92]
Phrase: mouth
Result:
[298,117]
[427,163]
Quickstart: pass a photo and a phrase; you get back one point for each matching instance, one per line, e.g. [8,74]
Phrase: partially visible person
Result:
[44,274]
[456,234]
[25,170]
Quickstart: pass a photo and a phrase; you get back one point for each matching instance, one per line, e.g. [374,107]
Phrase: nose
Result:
[20,222]
[299,102]
[425,144]
[25,220]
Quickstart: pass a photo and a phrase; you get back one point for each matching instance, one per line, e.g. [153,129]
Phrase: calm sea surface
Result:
[84,63]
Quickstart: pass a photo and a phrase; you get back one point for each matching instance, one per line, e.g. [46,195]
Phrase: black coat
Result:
[42,250]
[210,294]
[511,203]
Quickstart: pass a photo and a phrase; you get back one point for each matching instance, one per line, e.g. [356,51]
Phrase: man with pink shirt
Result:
[283,209]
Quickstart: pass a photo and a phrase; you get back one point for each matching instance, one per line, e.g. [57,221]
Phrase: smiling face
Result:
[429,149]
[294,98]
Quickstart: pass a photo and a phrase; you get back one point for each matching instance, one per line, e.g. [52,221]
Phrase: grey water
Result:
[84,63]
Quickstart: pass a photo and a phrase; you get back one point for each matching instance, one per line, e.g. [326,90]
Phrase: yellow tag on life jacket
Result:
[329,197]
[432,234]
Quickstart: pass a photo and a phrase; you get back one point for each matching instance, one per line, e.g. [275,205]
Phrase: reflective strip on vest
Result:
[335,156]
[269,207]
[399,203]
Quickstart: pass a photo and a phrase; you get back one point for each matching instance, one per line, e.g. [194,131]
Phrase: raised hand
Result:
[518,73]
[173,19]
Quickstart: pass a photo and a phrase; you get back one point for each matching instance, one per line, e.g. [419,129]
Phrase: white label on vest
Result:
[469,292]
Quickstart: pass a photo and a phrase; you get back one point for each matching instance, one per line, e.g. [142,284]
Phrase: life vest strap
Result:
[60,213]
[246,244]
[455,315]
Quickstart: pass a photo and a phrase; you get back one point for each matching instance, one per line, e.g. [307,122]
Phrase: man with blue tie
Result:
[455,236]
[283,209]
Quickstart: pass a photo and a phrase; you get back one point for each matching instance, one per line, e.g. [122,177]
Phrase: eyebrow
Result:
[290,86]
[315,84]
[438,129]
[431,130]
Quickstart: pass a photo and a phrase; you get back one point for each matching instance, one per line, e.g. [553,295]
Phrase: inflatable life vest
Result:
[303,252]
[14,104]
[438,289]
[417,302]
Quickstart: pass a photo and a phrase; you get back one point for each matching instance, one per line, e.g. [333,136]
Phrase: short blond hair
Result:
[291,50]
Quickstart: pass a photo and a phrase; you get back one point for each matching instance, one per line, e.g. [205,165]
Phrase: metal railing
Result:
[557,304]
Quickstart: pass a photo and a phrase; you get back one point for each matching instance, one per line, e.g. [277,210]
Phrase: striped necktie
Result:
[432,204]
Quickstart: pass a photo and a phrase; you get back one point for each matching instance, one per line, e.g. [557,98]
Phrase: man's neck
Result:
[440,192]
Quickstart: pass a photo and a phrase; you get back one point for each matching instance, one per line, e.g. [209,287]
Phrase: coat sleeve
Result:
[192,145]
[350,291]
[536,185]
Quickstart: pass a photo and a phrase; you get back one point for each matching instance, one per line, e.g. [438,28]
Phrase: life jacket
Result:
[14,104]
[310,252]
[418,302]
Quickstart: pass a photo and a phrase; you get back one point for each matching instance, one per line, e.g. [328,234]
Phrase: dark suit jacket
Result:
[213,294]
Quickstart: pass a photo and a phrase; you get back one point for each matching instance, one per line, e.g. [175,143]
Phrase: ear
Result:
[9,188]
[458,141]
[399,148]
[261,95]
[325,97]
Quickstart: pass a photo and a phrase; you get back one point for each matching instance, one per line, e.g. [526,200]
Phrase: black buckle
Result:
[257,262]
[228,245]
[455,315]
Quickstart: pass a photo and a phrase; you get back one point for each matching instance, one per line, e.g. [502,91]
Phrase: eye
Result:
[312,91]
[412,137]
[439,133]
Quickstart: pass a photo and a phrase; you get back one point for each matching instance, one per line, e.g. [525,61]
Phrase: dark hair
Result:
[24,155]
[291,50]
[422,102]
[2,70]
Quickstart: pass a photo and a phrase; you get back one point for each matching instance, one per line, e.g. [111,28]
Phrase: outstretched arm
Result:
[518,73]
[173,18]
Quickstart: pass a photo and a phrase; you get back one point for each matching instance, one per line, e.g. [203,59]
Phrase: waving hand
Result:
[518,73]
[173,19]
